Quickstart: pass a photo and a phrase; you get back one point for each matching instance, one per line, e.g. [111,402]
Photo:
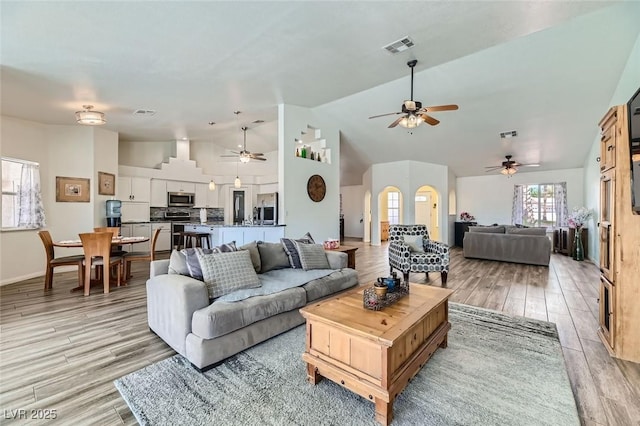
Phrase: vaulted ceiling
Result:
[546,69]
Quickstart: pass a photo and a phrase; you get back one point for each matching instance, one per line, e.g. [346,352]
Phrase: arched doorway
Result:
[427,201]
[389,208]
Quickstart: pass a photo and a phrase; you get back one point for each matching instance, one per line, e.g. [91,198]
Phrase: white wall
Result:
[489,198]
[298,211]
[21,252]
[627,85]
[408,177]
[105,144]
[353,210]
[145,154]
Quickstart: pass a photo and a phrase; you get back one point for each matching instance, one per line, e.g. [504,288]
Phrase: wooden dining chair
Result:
[53,261]
[97,252]
[140,256]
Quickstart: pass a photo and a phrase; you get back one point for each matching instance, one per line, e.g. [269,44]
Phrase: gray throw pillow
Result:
[526,231]
[487,229]
[272,256]
[254,253]
[227,272]
[178,263]
[415,242]
[290,248]
[193,262]
[312,256]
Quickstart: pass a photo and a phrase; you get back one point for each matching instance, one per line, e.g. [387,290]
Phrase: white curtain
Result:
[31,210]
[560,200]
[517,209]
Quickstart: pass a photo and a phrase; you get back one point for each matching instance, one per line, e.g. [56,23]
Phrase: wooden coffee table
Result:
[375,353]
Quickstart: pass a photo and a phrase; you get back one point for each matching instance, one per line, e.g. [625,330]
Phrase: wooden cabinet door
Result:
[606,226]
[607,309]
[608,148]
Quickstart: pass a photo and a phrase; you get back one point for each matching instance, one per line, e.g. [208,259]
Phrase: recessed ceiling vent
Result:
[399,45]
[145,112]
[510,134]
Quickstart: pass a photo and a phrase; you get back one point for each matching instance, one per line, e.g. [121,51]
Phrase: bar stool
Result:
[194,239]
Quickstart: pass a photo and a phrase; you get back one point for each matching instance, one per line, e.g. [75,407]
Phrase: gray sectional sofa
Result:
[181,313]
[508,244]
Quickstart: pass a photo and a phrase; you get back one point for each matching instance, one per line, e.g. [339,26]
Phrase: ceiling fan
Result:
[509,167]
[245,155]
[414,113]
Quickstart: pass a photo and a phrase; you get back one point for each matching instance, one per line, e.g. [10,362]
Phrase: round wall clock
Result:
[316,188]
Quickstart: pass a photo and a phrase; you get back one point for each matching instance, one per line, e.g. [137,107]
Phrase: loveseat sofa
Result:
[508,244]
[181,313]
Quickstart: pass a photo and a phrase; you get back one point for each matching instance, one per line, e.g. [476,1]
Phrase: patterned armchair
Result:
[434,259]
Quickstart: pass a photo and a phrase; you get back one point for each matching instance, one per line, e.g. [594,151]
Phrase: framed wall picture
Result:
[71,189]
[106,183]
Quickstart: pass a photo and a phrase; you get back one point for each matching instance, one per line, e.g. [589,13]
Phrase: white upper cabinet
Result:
[177,186]
[133,189]
[158,193]
[205,197]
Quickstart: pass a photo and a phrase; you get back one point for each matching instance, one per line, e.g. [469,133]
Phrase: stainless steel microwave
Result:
[181,199]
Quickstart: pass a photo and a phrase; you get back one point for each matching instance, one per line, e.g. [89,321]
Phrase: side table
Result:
[351,255]
[460,229]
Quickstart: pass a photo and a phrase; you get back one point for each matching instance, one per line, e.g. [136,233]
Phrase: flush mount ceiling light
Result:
[89,117]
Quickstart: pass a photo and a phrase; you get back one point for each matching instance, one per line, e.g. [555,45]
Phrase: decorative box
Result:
[331,244]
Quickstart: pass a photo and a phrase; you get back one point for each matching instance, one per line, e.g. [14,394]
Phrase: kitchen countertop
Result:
[221,225]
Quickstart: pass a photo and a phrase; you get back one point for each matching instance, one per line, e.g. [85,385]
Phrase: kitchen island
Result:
[241,234]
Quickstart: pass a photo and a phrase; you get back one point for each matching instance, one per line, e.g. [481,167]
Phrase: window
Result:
[21,198]
[540,205]
[393,207]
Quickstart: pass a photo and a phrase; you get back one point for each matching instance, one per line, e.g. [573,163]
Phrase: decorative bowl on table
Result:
[331,244]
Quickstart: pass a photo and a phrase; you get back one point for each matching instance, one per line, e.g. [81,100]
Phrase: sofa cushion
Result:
[333,283]
[193,263]
[222,318]
[526,231]
[272,256]
[312,256]
[227,272]
[415,242]
[487,229]
[178,263]
[290,248]
[252,247]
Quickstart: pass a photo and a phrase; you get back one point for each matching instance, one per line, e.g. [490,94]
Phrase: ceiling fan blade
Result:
[256,153]
[259,158]
[440,108]
[491,168]
[384,115]
[395,123]
[230,155]
[529,165]
[428,119]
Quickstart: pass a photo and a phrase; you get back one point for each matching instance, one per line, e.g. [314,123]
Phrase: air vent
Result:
[145,112]
[399,46]
[510,134]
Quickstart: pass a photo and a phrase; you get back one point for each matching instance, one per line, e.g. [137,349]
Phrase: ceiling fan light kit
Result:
[509,171]
[509,167]
[89,117]
[414,113]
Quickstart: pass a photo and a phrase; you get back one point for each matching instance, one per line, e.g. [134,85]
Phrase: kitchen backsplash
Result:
[213,214]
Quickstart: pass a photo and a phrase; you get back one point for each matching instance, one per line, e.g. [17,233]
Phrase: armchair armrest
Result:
[399,255]
[171,302]
[431,246]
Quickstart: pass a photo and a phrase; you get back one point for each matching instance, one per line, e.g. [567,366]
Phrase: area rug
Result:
[497,370]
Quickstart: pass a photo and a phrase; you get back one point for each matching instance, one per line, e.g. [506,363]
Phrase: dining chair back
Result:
[52,261]
[140,256]
[114,229]
[97,252]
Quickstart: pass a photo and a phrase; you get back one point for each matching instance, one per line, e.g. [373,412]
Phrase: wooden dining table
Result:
[116,241]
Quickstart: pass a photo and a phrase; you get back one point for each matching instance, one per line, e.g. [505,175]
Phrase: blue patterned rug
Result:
[497,370]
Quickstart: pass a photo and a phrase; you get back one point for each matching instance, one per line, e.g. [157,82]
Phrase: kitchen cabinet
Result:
[158,193]
[178,186]
[163,243]
[137,189]
[205,197]
[136,230]
[231,233]
[273,234]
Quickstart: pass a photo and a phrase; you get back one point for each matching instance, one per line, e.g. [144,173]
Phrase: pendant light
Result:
[212,185]
[237,183]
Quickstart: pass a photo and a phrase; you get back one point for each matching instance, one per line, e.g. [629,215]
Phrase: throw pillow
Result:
[312,256]
[527,231]
[272,256]
[178,263]
[227,272]
[289,245]
[487,229]
[252,247]
[193,263]
[415,242]
[308,236]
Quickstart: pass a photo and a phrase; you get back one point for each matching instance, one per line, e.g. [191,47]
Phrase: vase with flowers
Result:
[578,219]
[467,217]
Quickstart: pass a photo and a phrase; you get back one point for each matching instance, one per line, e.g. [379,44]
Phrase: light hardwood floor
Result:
[61,351]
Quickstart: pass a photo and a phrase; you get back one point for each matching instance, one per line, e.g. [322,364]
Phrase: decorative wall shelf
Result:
[310,146]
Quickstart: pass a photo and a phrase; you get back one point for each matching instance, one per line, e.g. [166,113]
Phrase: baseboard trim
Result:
[59,269]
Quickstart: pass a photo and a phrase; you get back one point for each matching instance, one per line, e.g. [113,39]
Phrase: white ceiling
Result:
[546,69]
